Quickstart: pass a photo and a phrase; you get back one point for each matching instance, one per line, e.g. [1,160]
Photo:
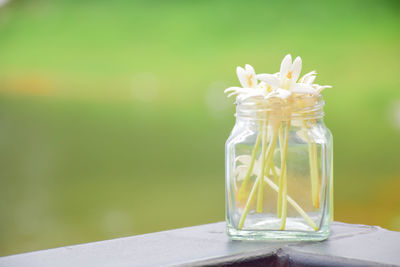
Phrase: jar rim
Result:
[299,107]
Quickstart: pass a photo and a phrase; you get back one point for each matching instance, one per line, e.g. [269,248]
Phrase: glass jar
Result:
[279,175]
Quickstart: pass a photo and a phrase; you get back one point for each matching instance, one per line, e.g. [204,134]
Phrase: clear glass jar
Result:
[279,175]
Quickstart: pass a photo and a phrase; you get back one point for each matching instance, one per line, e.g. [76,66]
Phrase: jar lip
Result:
[301,107]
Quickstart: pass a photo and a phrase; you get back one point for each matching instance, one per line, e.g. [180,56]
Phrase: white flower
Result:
[241,170]
[289,74]
[247,78]
[306,85]
[237,91]
[279,93]
[282,84]
[309,77]
[261,90]
[287,77]
[318,88]
[265,88]
[272,80]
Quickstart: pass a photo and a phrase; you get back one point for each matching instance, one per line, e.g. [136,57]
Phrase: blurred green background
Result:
[113,118]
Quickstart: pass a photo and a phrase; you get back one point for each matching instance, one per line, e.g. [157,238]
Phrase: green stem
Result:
[270,152]
[272,145]
[316,173]
[264,167]
[259,206]
[272,167]
[271,149]
[283,179]
[313,168]
[248,203]
[246,179]
[294,204]
[279,208]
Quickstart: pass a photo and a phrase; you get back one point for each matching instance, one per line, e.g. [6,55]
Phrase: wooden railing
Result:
[208,245]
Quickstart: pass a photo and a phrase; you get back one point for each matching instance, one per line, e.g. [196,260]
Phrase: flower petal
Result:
[247,97]
[269,79]
[245,159]
[239,91]
[283,93]
[251,76]
[318,88]
[239,173]
[265,88]
[296,69]
[305,76]
[232,94]
[310,79]
[252,94]
[279,93]
[241,73]
[231,89]
[285,65]
[302,88]
[249,68]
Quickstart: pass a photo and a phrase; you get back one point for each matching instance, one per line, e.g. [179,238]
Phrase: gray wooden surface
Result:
[208,245]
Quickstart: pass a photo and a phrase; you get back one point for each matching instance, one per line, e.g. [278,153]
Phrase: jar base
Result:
[286,235]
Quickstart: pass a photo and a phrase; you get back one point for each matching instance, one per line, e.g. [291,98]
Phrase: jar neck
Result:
[299,108]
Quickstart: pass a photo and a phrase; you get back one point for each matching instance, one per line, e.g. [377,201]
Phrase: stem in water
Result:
[248,203]
[316,172]
[279,202]
[268,160]
[294,205]
[273,170]
[262,170]
[313,168]
[243,187]
[283,180]
[269,153]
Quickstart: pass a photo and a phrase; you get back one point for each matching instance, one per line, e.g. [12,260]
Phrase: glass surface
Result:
[293,204]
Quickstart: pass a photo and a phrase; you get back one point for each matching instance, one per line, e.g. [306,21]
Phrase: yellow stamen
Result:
[289,75]
[249,80]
